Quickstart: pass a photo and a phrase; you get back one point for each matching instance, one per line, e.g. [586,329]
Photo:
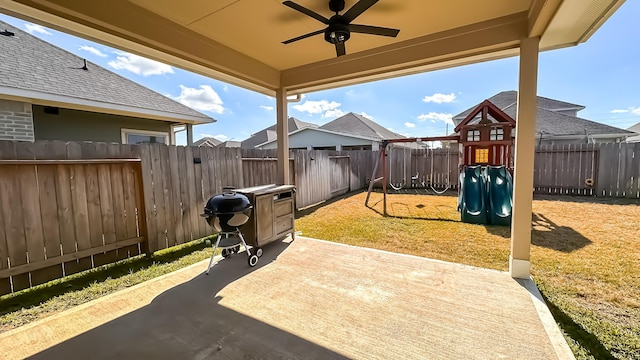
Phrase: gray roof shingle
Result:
[207,141]
[355,124]
[548,120]
[507,98]
[31,64]
[269,133]
[555,123]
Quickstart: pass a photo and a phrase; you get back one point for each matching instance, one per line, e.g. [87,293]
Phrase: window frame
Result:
[496,133]
[124,132]
[485,152]
[475,135]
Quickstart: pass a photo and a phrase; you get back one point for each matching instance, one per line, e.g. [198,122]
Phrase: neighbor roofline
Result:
[325,131]
[578,136]
[48,99]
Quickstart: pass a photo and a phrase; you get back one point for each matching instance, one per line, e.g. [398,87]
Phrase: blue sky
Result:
[602,74]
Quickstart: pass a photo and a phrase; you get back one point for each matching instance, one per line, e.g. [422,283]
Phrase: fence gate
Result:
[566,169]
[339,174]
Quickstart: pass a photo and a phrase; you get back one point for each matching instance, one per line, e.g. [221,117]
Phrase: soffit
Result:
[240,41]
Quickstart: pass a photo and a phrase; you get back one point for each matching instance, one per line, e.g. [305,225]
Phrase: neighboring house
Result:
[557,122]
[269,133]
[47,93]
[348,132]
[636,136]
[207,141]
[231,144]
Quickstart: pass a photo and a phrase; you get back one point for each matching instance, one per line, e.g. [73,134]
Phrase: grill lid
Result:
[229,202]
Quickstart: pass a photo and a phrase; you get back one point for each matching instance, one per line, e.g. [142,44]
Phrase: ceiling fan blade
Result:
[373,30]
[306,11]
[340,50]
[303,36]
[357,9]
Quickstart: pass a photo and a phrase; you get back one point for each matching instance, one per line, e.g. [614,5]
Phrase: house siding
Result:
[16,121]
[77,125]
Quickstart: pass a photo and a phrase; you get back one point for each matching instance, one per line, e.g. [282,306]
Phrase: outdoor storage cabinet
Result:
[272,217]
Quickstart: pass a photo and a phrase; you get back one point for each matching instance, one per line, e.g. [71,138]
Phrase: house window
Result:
[473,135]
[482,156]
[134,137]
[497,133]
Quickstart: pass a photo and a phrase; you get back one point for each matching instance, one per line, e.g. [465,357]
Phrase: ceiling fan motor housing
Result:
[337,32]
[336,5]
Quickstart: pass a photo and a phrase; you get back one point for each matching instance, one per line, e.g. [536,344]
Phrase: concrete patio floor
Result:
[306,299]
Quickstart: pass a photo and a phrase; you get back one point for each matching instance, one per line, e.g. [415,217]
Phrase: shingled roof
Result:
[355,124]
[505,99]
[555,123]
[270,133]
[207,141]
[549,118]
[31,68]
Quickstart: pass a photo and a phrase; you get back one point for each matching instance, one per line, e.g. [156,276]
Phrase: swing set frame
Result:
[382,159]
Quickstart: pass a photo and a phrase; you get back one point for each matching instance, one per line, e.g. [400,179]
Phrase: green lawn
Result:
[585,255]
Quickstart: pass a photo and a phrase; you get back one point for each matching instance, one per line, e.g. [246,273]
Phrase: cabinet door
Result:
[264,217]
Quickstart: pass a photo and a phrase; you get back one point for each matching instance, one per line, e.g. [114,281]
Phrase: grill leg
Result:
[215,247]
[246,248]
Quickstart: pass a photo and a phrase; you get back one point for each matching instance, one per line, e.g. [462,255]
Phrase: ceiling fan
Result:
[339,27]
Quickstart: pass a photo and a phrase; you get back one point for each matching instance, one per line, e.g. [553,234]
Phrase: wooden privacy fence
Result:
[435,167]
[619,170]
[64,215]
[611,170]
[67,206]
[566,169]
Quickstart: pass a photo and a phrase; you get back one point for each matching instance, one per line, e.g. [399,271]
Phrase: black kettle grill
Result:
[226,213]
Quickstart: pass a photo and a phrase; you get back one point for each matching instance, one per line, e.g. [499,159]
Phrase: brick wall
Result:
[16,121]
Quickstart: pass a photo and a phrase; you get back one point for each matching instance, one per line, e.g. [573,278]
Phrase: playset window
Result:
[473,135]
[497,133]
[482,156]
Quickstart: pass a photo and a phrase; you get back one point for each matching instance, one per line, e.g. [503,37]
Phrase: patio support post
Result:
[282,133]
[519,259]
[189,134]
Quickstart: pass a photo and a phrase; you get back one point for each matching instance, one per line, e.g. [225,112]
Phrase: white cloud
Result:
[92,50]
[630,109]
[324,107]
[225,88]
[336,113]
[34,28]
[364,114]
[409,124]
[268,108]
[139,65]
[220,137]
[439,98]
[203,98]
[434,116]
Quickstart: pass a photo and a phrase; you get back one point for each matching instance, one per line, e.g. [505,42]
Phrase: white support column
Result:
[189,134]
[519,259]
[282,132]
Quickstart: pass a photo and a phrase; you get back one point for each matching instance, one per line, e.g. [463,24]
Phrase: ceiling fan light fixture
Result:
[339,26]
[337,33]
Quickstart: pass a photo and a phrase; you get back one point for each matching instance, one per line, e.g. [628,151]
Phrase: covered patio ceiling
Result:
[240,41]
